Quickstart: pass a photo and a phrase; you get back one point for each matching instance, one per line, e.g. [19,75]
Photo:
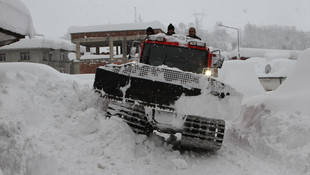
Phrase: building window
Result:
[62,57]
[44,57]
[49,57]
[2,56]
[24,56]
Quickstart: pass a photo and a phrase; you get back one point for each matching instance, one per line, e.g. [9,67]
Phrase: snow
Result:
[42,43]
[279,67]
[299,81]
[116,27]
[53,123]
[182,40]
[241,76]
[266,53]
[89,56]
[72,56]
[16,17]
[278,124]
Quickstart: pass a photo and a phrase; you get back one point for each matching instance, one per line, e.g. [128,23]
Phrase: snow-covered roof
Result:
[116,27]
[266,53]
[42,43]
[279,67]
[89,56]
[15,17]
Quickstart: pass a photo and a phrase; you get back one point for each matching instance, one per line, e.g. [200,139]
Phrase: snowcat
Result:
[145,93]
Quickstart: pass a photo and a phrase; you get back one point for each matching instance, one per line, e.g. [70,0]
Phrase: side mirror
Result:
[217,59]
[133,51]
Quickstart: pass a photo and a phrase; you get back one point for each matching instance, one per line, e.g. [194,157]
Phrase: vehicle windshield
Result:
[186,59]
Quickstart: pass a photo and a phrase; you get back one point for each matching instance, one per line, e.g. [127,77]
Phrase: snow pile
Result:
[241,76]
[29,126]
[182,40]
[71,56]
[279,67]
[53,123]
[10,70]
[277,125]
[16,17]
[42,43]
[116,27]
[89,56]
[277,54]
[295,89]
[266,53]
[211,106]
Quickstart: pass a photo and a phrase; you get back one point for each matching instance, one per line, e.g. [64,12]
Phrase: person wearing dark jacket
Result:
[192,33]
[150,31]
[170,30]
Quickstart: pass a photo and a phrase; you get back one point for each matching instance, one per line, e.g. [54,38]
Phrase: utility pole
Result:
[135,14]
[238,37]
[199,19]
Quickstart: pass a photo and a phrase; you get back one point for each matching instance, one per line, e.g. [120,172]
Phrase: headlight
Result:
[207,72]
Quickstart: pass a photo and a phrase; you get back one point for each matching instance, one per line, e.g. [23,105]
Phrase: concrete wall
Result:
[35,55]
[90,67]
[57,59]
[121,39]
[75,68]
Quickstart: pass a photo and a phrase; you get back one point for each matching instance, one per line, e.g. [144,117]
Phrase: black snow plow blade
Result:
[142,88]
[136,86]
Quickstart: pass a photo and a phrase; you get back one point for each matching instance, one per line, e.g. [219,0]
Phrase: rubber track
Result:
[203,133]
[133,116]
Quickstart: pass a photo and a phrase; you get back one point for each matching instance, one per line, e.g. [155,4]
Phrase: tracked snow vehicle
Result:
[148,95]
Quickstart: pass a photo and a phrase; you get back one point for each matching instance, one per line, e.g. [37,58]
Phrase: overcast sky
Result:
[53,17]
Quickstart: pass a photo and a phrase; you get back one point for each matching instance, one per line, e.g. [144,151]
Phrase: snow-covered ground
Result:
[53,123]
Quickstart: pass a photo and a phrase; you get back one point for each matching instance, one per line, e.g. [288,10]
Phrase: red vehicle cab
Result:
[183,53]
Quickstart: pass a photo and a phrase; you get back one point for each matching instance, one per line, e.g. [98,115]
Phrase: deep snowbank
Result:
[241,76]
[36,101]
[52,123]
[296,88]
[279,67]
[277,125]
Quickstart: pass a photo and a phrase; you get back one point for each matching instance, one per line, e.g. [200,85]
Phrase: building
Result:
[51,52]
[114,37]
